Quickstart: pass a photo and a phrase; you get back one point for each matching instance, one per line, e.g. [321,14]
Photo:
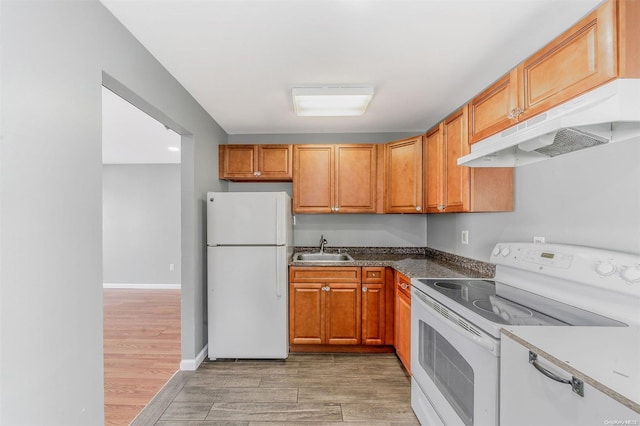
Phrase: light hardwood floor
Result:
[305,389]
[141,348]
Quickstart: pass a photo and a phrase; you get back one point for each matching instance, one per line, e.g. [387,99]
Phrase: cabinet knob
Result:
[404,286]
[257,173]
[418,208]
[364,289]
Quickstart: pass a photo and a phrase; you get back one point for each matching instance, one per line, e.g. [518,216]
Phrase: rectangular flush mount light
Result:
[331,101]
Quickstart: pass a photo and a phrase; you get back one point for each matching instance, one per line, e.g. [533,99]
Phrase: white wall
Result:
[343,230]
[141,224]
[589,197]
[55,57]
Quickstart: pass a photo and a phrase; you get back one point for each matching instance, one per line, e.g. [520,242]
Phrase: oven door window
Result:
[448,369]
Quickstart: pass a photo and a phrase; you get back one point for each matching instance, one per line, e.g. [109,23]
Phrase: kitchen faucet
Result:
[322,243]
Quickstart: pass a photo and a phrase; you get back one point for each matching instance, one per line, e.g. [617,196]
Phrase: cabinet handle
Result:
[326,288]
[516,112]
[577,385]
[257,173]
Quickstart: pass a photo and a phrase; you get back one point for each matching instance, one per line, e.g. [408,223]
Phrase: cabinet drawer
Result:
[325,274]
[373,274]
[403,284]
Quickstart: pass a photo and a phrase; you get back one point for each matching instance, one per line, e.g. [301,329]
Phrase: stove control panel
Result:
[577,263]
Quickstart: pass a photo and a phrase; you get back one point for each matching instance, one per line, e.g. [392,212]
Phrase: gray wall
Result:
[344,230]
[55,57]
[590,198]
[141,223]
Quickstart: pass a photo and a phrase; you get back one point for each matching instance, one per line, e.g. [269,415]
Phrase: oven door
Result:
[455,367]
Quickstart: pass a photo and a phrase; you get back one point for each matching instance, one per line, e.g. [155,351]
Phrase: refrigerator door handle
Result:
[280,261]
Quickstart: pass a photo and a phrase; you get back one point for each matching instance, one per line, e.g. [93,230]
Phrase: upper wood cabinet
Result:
[452,188]
[335,178]
[601,47]
[255,162]
[495,108]
[403,176]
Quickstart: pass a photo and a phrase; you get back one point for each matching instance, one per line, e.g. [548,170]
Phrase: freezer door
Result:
[247,302]
[248,218]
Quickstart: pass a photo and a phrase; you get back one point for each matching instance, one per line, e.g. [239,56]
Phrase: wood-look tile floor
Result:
[308,389]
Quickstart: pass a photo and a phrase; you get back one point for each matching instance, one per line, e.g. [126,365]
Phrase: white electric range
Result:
[456,323]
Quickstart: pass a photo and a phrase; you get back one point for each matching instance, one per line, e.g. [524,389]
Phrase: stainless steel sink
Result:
[322,257]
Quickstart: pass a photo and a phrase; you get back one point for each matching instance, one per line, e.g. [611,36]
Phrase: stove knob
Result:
[631,274]
[505,251]
[496,251]
[605,268]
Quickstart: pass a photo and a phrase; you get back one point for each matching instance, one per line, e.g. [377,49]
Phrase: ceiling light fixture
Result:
[331,101]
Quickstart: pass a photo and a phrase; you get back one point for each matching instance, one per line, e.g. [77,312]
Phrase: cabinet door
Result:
[343,315]
[529,398]
[373,314]
[306,313]
[456,192]
[403,170]
[356,179]
[494,109]
[275,162]
[434,174]
[402,341]
[312,181]
[237,161]
[580,59]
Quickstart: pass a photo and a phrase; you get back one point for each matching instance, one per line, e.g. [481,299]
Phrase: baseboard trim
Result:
[143,286]
[193,364]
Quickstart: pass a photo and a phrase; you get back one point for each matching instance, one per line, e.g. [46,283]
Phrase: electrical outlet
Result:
[538,240]
[172,266]
[465,237]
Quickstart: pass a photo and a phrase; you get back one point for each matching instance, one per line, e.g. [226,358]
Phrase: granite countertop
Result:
[414,262]
[604,357]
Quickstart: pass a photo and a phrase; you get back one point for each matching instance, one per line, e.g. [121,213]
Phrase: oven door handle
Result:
[455,323]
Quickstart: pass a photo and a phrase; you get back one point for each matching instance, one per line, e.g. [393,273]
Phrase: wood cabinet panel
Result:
[434,164]
[306,313]
[327,274]
[255,162]
[373,274]
[402,341]
[356,178]
[580,59]
[312,178]
[276,161]
[403,172]
[335,178]
[343,316]
[452,188]
[373,314]
[494,109]
[456,191]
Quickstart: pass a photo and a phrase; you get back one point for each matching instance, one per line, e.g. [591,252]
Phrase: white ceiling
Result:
[240,58]
[130,136]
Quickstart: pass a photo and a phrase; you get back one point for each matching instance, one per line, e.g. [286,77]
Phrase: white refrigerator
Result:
[249,239]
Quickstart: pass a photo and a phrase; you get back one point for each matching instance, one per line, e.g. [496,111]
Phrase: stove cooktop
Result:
[489,306]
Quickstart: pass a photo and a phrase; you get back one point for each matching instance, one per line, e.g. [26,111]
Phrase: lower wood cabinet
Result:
[402,321]
[338,306]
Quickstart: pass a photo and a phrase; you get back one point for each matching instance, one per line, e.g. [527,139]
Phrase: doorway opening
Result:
[141,256]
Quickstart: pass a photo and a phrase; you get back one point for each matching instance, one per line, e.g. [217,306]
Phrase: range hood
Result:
[609,113]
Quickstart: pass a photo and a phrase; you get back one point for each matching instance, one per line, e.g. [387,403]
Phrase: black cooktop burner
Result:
[480,297]
[448,285]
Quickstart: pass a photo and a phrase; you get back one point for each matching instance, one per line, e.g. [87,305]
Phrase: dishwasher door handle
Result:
[577,385]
